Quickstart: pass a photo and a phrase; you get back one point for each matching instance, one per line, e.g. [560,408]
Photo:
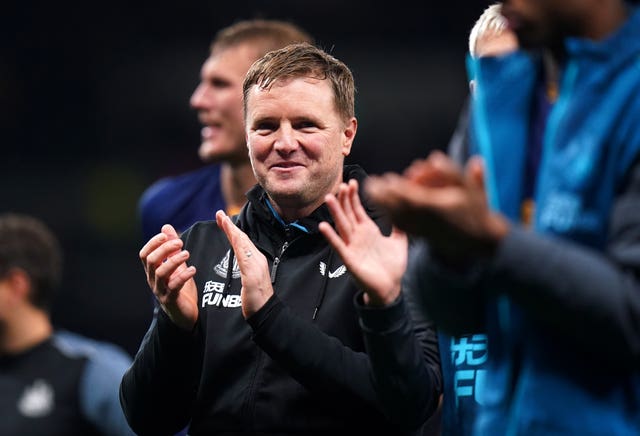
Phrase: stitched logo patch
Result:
[37,400]
[332,275]
[222,268]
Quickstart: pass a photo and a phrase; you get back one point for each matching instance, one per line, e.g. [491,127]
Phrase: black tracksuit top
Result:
[312,360]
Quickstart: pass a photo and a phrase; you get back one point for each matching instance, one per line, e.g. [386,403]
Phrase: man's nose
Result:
[286,141]
[201,95]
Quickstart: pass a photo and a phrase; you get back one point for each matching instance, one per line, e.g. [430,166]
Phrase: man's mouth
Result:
[286,165]
[210,130]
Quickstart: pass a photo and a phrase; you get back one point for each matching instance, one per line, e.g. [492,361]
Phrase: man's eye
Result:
[305,125]
[265,127]
[219,83]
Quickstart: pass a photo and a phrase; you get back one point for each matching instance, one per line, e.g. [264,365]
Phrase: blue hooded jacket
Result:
[540,380]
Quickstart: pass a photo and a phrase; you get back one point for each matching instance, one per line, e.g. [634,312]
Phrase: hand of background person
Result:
[254,269]
[169,277]
[376,262]
[445,204]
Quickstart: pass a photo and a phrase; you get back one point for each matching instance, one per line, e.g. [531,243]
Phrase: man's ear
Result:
[349,134]
[18,282]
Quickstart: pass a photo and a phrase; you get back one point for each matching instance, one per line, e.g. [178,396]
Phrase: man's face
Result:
[4,300]
[297,143]
[13,295]
[218,100]
[544,23]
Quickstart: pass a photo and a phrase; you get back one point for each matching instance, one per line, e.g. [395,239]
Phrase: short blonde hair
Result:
[490,20]
[263,35]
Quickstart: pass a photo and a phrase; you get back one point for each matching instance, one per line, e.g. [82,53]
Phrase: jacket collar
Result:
[258,209]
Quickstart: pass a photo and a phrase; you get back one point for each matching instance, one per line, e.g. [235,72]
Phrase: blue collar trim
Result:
[281,221]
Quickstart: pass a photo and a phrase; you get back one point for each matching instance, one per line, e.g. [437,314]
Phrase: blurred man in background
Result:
[51,383]
[550,270]
[464,357]
[221,185]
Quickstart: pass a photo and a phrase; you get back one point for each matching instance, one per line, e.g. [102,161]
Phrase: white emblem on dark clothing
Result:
[332,275]
[222,268]
[37,400]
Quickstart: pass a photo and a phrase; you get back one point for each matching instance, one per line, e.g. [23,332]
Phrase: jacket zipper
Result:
[276,262]
[250,404]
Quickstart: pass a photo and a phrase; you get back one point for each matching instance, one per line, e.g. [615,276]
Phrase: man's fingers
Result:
[344,198]
[422,171]
[149,254]
[396,193]
[359,213]
[168,230]
[150,246]
[172,263]
[339,218]
[169,248]
[242,246]
[384,191]
[334,239]
[412,207]
[151,261]
[446,171]
[229,228]
[475,172]
[179,278]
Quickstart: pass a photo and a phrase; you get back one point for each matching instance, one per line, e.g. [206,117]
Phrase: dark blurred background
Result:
[94,108]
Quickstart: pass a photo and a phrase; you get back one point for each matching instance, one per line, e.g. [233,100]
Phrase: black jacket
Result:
[309,362]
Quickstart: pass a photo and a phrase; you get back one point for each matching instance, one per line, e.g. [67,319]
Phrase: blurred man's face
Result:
[545,23]
[218,100]
[4,301]
[13,296]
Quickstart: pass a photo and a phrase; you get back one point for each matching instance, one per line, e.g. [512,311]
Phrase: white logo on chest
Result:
[222,268]
[36,400]
[332,275]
